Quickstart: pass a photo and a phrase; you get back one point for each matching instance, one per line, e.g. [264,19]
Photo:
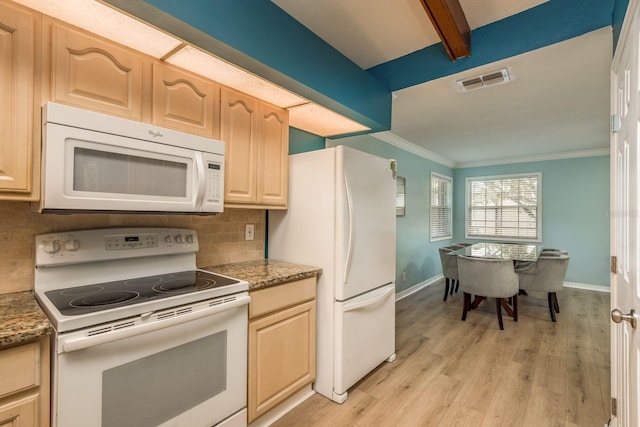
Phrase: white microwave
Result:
[94,162]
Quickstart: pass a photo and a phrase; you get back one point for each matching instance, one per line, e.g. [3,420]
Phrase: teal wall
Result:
[415,255]
[575,211]
[301,141]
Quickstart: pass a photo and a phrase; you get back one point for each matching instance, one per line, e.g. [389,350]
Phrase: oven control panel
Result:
[112,243]
[136,241]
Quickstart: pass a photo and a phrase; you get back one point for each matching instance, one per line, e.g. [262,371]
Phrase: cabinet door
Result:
[282,356]
[239,131]
[91,73]
[16,98]
[20,413]
[184,101]
[273,158]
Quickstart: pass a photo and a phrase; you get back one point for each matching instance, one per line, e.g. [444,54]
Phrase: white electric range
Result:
[142,337]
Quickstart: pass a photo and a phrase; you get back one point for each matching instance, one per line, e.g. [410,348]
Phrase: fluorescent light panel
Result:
[110,23]
[207,65]
[322,121]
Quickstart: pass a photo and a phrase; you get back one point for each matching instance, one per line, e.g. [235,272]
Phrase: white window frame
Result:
[449,205]
[469,180]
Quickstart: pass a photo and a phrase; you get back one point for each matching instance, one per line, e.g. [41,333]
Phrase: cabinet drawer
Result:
[267,300]
[19,368]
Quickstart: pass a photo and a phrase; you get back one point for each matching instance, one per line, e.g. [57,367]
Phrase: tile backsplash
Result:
[221,237]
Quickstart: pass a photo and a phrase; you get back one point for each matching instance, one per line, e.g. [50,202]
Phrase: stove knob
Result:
[52,246]
[71,245]
[179,238]
[168,239]
[189,238]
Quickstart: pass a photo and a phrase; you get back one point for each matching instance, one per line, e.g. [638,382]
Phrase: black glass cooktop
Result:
[102,296]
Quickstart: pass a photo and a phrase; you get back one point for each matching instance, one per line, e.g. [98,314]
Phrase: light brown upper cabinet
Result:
[90,72]
[19,156]
[273,155]
[256,137]
[185,101]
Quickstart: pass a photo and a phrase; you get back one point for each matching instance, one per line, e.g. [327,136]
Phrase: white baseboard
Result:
[587,287]
[287,405]
[415,288]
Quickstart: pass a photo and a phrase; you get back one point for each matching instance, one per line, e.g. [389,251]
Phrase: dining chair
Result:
[449,269]
[462,244]
[491,278]
[553,250]
[546,274]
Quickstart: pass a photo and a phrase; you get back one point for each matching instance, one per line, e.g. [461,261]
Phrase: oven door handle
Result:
[73,344]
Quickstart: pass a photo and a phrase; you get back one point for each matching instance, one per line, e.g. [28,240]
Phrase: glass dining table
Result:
[512,251]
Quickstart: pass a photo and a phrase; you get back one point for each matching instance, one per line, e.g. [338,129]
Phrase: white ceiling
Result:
[558,101]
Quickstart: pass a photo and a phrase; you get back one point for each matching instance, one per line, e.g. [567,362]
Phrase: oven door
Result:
[188,371]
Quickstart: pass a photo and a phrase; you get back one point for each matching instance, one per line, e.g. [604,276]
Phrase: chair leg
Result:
[499,310]
[457,285]
[465,305]
[555,302]
[446,288]
[552,310]
[453,285]
[515,308]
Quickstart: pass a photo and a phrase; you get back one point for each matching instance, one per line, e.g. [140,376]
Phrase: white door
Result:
[625,286]
[365,223]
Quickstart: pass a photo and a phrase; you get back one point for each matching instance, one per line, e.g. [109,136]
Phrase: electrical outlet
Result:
[248,232]
[404,276]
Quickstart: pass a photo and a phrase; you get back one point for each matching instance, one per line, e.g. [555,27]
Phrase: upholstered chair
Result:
[547,275]
[462,244]
[449,269]
[492,278]
[553,250]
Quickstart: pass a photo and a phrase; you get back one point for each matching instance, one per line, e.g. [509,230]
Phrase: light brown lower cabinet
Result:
[282,343]
[24,385]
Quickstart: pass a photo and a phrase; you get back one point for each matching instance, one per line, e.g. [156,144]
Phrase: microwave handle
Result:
[201,180]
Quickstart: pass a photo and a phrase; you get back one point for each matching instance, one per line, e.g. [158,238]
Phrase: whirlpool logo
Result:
[155,134]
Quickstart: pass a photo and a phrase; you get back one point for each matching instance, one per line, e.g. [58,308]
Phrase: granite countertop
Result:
[21,319]
[265,272]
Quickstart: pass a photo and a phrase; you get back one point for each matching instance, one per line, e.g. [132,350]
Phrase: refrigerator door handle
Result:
[367,302]
[347,266]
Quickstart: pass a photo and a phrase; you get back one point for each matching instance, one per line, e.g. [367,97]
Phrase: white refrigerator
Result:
[341,217]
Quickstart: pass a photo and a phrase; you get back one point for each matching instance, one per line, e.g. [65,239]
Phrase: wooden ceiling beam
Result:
[451,24]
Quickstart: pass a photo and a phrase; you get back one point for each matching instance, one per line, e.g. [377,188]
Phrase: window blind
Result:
[504,207]
[440,207]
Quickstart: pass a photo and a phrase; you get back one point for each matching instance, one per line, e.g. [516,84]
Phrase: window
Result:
[401,192]
[506,207]
[440,207]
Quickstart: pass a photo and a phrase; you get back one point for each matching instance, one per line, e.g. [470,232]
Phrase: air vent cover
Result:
[485,80]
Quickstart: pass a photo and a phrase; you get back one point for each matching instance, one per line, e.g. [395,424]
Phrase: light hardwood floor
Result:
[454,373]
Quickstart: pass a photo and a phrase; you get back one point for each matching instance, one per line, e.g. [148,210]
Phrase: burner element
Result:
[185,285]
[105,298]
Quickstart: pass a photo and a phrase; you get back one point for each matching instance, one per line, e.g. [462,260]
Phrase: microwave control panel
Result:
[214,182]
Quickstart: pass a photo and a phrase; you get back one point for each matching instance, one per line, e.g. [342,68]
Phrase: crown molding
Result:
[536,158]
[403,144]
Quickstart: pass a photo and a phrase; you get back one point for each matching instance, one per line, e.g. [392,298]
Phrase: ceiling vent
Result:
[485,80]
